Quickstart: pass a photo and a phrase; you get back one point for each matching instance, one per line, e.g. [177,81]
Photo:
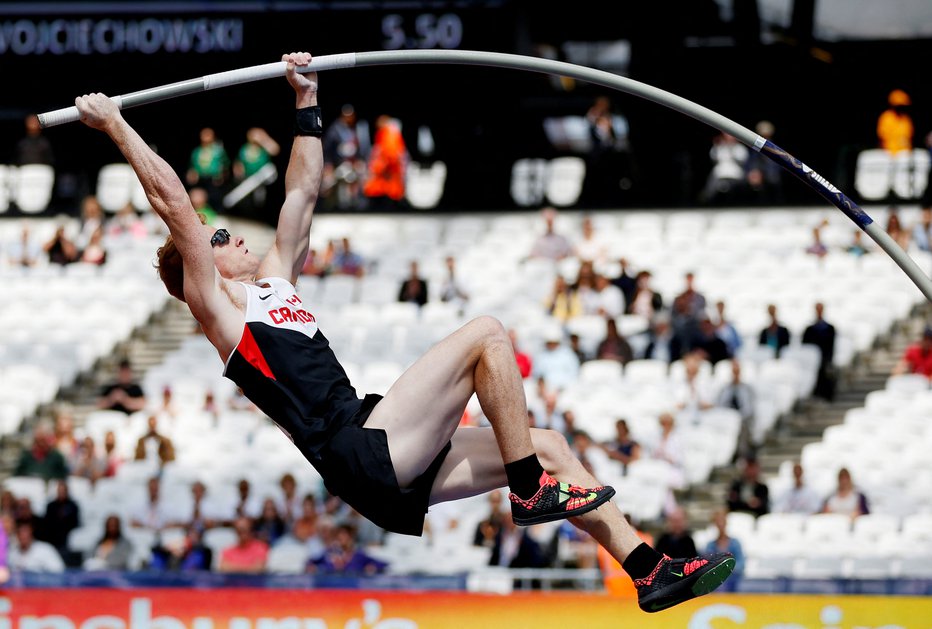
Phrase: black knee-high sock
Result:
[524,476]
[641,562]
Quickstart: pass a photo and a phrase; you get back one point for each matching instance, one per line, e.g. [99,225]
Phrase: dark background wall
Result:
[824,98]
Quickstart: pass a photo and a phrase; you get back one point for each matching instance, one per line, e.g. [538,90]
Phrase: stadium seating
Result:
[377,339]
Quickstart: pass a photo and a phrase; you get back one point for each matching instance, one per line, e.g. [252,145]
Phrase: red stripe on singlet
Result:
[253,355]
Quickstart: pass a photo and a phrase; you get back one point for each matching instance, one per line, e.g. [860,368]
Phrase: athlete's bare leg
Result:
[423,408]
[473,466]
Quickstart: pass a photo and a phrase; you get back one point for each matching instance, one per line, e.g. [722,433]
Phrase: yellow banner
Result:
[232,608]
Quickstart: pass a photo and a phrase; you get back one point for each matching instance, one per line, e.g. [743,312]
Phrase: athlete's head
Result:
[231,257]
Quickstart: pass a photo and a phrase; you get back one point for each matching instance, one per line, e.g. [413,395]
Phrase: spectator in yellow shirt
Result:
[895,126]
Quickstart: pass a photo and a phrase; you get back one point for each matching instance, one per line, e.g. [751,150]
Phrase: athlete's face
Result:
[231,255]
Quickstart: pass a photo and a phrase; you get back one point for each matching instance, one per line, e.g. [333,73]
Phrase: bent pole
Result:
[533,64]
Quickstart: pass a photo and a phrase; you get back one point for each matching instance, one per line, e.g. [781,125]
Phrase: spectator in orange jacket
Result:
[385,186]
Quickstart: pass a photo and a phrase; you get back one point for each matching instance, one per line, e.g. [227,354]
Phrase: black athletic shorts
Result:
[356,466]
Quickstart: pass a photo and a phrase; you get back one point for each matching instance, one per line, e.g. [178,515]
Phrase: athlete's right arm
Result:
[169,199]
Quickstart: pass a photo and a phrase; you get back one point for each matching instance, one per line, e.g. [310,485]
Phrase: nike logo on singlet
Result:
[264,297]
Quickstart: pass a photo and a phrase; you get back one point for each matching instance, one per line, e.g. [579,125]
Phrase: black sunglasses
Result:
[220,237]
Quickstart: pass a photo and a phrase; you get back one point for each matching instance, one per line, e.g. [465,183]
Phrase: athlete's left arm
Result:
[302,183]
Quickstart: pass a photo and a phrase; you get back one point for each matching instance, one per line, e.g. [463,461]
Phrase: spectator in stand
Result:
[605,159]
[556,364]
[708,343]
[32,555]
[113,551]
[821,333]
[95,252]
[922,230]
[8,505]
[203,514]
[726,330]
[645,301]
[551,415]
[564,302]
[895,125]
[248,554]
[585,283]
[688,307]
[314,264]
[817,247]
[154,446]
[22,512]
[209,166]
[167,409]
[857,248]
[348,262]
[724,542]
[692,394]
[346,151]
[662,344]
[126,226]
[24,251]
[576,346]
[89,463]
[34,148]
[516,548]
[676,537]
[291,500]
[153,513]
[452,290]
[269,526]
[846,499]
[917,358]
[247,505]
[185,555]
[65,440]
[123,394]
[343,556]
[591,455]
[669,448]
[605,299]
[114,458]
[551,245]
[62,515]
[614,346]
[589,247]
[739,395]
[522,358]
[749,493]
[414,287]
[92,218]
[726,182]
[306,529]
[775,335]
[388,162]
[623,448]
[764,176]
[253,155]
[60,249]
[626,282]
[490,527]
[201,202]
[895,228]
[800,498]
[42,459]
